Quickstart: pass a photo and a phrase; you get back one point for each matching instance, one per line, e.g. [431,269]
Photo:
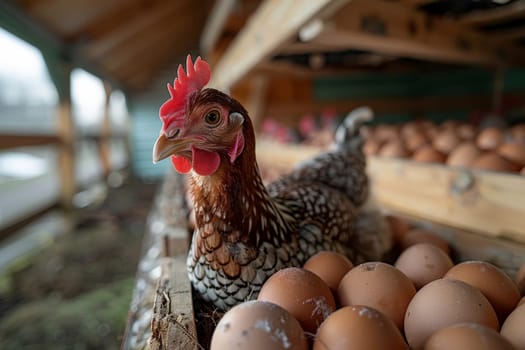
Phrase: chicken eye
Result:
[213,117]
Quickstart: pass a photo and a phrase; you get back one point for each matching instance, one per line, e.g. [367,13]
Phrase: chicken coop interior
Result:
[379,127]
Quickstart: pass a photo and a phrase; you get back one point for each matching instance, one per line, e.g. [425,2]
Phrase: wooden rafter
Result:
[274,23]
[386,28]
[215,24]
[498,14]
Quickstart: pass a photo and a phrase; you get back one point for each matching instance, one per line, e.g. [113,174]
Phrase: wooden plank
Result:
[495,15]
[390,29]
[11,141]
[173,323]
[105,44]
[215,24]
[274,23]
[508,34]
[486,202]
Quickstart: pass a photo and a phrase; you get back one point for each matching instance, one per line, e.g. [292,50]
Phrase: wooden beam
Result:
[507,35]
[215,24]
[8,141]
[387,28]
[105,44]
[274,23]
[495,15]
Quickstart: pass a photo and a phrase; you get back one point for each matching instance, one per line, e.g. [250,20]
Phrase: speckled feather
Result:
[245,232]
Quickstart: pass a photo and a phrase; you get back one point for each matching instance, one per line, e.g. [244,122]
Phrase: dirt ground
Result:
[76,292]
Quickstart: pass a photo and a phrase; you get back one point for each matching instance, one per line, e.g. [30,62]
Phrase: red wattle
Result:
[205,163]
[181,164]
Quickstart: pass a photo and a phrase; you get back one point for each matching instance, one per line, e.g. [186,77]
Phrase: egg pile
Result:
[422,301]
[453,143]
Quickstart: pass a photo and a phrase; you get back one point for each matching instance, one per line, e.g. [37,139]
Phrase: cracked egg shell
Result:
[258,325]
[358,327]
[302,293]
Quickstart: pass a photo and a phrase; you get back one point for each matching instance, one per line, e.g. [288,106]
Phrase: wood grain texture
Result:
[485,202]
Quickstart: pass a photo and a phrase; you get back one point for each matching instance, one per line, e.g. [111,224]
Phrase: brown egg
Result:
[521,302]
[489,138]
[495,284]
[393,149]
[464,155]
[384,132]
[513,328]
[466,132]
[517,133]
[415,141]
[358,327]
[467,336]
[371,146]
[520,279]
[493,161]
[427,154]
[258,325]
[302,293]
[419,235]
[446,141]
[423,263]
[442,303]
[330,266]
[410,129]
[514,152]
[380,286]
[398,226]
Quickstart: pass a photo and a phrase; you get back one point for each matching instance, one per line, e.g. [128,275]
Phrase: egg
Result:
[423,263]
[415,141]
[419,235]
[489,138]
[466,132]
[495,284]
[493,161]
[513,328]
[330,267]
[427,154]
[358,327]
[393,149]
[258,325]
[446,141]
[467,336]
[514,152]
[302,293]
[520,279]
[372,146]
[380,286]
[385,132]
[464,155]
[518,133]
[442,303]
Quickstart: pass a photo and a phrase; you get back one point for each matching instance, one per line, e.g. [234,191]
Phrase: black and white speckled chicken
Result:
[245,231]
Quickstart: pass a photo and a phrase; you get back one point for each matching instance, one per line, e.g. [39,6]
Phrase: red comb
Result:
[195,78]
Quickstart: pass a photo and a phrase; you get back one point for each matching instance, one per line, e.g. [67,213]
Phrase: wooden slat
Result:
[486,202]
[508,34]
[215,24]
[387,28]
[274,22]
[105,44]
[11,141]
[173,323]
[498,14]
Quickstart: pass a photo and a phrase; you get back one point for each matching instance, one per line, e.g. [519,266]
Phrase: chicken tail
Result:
[348,132]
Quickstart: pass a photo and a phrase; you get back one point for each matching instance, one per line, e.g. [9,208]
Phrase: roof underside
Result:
[133,43]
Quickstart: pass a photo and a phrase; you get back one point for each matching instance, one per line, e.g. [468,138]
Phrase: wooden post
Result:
[105,135]
[60,73]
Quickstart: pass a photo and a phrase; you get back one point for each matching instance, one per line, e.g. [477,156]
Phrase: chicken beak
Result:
[165,147]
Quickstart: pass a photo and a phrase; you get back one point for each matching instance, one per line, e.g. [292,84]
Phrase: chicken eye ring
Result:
[213,118]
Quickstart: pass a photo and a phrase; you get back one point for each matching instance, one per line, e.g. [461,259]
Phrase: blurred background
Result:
[81,83]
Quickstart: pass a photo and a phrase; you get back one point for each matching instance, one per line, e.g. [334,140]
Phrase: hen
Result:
[245,231]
